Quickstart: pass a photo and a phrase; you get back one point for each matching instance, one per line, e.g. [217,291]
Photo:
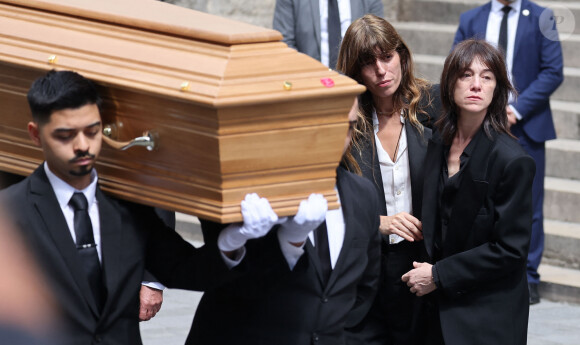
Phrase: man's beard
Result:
[85,169]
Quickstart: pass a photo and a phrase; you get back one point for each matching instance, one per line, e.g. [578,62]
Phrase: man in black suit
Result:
[93,249]
[151,293]
[296,290]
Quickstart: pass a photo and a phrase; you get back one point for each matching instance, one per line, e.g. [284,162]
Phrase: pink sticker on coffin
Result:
[328,82]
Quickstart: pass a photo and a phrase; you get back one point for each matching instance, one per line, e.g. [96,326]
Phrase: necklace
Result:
[398,140]
[382,113]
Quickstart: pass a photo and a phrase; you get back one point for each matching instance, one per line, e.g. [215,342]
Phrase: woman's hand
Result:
[402,224]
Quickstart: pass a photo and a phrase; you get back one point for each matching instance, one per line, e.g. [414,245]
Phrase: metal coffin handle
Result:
[149,139]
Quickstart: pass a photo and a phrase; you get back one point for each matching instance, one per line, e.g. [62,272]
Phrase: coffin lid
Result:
[166,50]
[160,17]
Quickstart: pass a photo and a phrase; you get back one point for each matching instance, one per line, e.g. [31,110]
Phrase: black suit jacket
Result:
[131,235]
[482,294]
[272,305]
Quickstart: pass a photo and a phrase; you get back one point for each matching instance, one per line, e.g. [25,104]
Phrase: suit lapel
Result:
[470,196]
[313,255]
[344,191]
[524,23]
[111,243]
[370,168]
[315,10]
[432,168]
[348,234]
[417,149]
[48,208]
[480,22]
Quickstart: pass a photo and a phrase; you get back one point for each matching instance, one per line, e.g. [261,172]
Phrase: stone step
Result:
[559,284]
[448,11]
[562,244]
[568,90]
[427,38]
[436,39]
[571,49]
[566,119]
[438,11]
[561,199]
[429,66]
[563,158]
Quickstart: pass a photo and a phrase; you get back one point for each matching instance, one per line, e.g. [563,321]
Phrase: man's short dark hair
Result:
[59,90]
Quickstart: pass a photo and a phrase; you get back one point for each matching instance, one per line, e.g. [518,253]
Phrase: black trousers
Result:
[396,317]
[433,334]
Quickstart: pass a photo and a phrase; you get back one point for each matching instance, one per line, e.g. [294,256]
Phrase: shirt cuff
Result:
[239,256]
[291,253]
[394,239]
[516,113]
[153,285]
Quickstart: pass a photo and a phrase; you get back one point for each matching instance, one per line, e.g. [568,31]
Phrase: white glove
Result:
[258,220]
[311,213]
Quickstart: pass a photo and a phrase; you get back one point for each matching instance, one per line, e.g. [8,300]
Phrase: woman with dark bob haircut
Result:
[477,212]
[389,146]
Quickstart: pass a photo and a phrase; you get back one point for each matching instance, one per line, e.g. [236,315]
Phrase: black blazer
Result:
[483,294]
[272,305]
[131,234]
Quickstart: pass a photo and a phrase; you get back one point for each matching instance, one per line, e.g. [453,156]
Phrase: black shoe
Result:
[534,294]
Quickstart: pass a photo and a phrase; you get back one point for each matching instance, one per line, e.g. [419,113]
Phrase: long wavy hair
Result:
[456,64]
[348,161]
[367,39]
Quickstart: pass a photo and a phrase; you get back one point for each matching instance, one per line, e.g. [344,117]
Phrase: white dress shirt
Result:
[492,35]
[345,19]
[336,229]
[64,193]
[396,176]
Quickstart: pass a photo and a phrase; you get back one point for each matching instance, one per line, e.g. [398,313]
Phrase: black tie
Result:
[503,35]
[334,35]
[86,246]
[323,250]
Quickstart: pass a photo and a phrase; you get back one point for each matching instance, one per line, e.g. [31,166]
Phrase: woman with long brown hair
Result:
[477,213]
[389,146]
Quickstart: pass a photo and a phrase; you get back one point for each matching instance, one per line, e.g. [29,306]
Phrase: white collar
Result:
[496,6]
[64,191]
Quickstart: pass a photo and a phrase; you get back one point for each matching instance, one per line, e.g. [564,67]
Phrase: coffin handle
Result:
[148,140]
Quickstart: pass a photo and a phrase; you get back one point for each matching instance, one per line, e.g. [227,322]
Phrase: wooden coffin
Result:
[229,107]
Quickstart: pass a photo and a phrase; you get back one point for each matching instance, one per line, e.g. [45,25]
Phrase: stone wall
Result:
[257,12]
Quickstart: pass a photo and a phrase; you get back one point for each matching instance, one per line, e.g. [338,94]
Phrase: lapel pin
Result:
[526,12]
